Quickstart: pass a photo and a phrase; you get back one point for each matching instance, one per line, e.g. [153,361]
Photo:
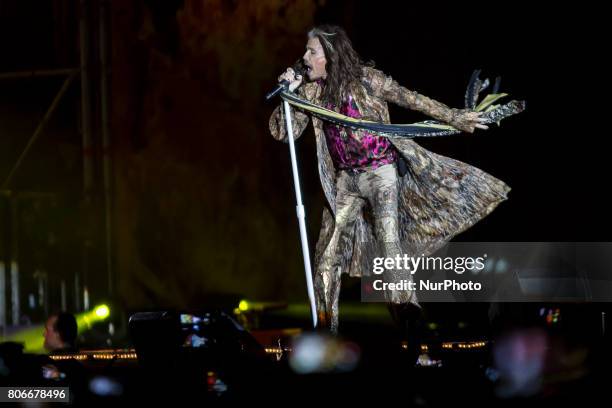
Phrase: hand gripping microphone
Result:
[299,68]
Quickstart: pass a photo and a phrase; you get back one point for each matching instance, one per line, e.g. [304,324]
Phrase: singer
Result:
[378,189]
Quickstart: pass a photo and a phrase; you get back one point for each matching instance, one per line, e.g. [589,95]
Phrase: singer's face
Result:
[314,58]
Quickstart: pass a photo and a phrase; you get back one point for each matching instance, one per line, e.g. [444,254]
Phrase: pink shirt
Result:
[356,150]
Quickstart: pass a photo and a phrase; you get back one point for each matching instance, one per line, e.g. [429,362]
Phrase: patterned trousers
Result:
[374,190]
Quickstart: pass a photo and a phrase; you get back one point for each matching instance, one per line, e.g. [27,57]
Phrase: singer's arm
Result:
[388,89]
[299,119]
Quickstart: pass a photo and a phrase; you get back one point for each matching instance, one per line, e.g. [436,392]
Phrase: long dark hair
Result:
[344,65]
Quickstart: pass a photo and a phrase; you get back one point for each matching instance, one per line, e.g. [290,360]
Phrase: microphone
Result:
[299,68]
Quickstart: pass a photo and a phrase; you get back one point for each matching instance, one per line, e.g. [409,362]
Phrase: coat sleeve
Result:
[387,88]
[299,119]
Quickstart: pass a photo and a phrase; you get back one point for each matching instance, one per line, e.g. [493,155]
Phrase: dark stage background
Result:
[203,199]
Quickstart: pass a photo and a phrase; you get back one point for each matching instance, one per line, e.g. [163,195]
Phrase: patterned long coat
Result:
[439,197]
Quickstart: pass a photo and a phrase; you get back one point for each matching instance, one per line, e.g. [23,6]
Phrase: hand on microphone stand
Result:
[291,79]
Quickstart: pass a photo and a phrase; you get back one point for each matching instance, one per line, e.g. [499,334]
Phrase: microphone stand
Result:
[301,214]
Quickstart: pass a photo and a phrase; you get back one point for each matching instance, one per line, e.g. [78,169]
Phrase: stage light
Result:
[243,305]
[102,311]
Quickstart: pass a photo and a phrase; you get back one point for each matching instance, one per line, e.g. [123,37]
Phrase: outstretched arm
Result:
[387,88]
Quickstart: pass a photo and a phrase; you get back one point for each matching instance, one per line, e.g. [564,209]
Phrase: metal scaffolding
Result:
[9,273]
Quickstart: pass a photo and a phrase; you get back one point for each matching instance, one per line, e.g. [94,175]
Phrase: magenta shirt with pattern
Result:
[359,150]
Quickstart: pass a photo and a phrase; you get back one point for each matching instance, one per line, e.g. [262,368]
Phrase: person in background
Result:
[60,333]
